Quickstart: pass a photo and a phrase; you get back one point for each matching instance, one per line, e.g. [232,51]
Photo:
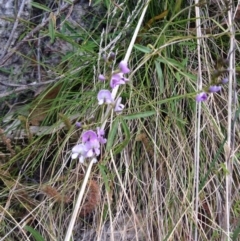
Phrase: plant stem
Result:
[78,203]
[198,120]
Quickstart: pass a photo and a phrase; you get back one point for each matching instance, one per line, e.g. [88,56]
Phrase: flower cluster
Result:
[91,140]
[117,78]
[211,89]
[90,146]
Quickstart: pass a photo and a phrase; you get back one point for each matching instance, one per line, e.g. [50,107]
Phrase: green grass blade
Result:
[112,135]
[139,115]
[37,236]
[40,6]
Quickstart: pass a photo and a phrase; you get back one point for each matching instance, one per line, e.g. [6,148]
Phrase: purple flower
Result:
[104,96]
[214,88]
[201,97]
[117,79]
[101,77]
[80,152]
[100,134]
[88,136]
[123,67]
[118,106]
[78,124]
[224,81]
[92,148]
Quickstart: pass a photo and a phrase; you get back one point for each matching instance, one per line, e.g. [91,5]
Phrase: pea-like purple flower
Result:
[117,79]
[124,67]
[118,106]
[214,88]
[104,96]
[90,146]
[201,97]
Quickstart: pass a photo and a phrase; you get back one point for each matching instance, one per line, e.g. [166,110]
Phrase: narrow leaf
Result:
[158,17]
[160,76]
[139,115]
[37,236]
[112,134]
[52,27]
[103,171]
[143,49]
[126,132]
[40,6]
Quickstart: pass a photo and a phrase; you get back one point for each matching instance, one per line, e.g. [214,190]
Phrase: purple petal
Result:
[78,150]
[117,79]
[104,96]
[201,97]
[81,159]
[118,106]
[214,88]
[78,124]
[102,140]
[123,67]
[100,132]
[224,81]
[93,148]
[90,153]
[89,136]
[74,155]
[94,160]
[101,77]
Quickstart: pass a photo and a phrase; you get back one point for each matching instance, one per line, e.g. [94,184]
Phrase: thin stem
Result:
[78,203]
[198,118]
[228,149]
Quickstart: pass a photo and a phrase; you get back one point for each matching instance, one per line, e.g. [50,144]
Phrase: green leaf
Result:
[160,76]
[143,49]
[212,164]
[51,27]
[37,236]
[126,132]
[236,233]
[40,6]
[112,134]
[139,115]
[66,38]
[103,171]
[173,62]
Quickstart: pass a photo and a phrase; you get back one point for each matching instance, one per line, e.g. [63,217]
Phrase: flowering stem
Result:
[105,118]
[115,90]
